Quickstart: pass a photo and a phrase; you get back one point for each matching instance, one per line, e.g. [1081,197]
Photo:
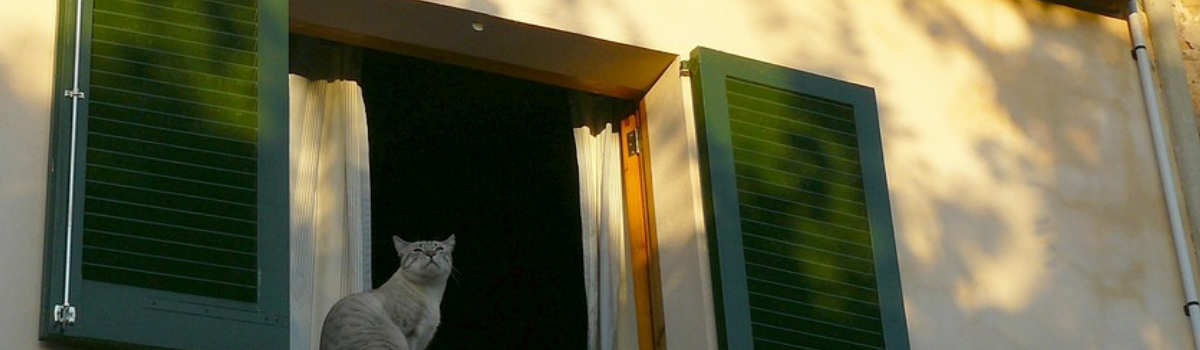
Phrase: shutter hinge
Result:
[64,314]
[73,94]
[685,69]
[633,142]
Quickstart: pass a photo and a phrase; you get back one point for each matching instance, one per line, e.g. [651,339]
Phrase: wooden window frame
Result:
[635,160]
[312,19]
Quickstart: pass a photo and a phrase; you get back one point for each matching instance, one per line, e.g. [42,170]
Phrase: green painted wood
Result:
[181,234]
[274,215]
[727,260]
[796,208]
[175,56]
[58,181]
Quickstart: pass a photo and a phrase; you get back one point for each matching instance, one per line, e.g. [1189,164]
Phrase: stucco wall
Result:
[1027,205]
[26,58]
[1187,17]
[1028,211]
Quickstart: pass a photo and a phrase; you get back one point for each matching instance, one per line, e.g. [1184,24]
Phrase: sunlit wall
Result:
[1027,205]
[27,29]
[1187,17]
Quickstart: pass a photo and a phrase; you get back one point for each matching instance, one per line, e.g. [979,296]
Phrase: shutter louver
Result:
[806,239]
[172,157]
[796,209]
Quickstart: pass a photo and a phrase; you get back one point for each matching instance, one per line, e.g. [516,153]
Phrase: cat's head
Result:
[425,260]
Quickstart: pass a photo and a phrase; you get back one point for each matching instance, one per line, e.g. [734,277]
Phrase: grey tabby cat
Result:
[402,314]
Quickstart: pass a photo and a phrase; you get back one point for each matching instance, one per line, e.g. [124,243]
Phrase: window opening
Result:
[490,159]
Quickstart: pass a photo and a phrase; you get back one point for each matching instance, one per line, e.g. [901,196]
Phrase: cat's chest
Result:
[413,314]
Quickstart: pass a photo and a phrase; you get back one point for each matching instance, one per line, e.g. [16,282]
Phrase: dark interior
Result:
[490,159]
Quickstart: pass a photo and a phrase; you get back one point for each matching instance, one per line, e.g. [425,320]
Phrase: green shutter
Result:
[172,148]
[796,207]
[180,236]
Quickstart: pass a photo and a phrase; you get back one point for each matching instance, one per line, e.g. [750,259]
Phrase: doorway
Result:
[490,159]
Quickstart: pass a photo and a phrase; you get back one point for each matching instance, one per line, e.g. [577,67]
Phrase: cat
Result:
[404,312]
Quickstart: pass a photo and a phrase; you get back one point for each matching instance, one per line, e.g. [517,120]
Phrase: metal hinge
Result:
[633,142]
[64,314]
[74,94]
[685,69]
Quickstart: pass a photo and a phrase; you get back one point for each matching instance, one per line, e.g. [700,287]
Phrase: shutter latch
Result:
[74,94]
[685,69]
[64,314]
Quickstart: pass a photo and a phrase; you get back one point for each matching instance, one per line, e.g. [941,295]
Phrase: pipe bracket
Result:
[1135,50]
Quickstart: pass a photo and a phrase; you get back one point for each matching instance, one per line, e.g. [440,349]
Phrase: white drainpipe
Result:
[1165,169]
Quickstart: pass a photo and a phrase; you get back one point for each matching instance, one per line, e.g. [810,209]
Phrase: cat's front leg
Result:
[424,334]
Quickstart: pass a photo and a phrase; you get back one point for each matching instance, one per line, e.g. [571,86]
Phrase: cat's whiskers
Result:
[454,272]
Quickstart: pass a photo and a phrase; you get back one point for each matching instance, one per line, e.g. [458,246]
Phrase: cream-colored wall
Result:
[1027,206]
[1187,18]
[27,29]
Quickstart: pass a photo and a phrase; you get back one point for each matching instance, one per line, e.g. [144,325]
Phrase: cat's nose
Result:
[430,253]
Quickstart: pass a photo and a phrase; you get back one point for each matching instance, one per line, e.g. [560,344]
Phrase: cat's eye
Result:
[418,250]
[440,249]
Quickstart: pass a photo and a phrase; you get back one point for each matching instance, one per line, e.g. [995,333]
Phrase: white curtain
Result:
[331,222]
[612,315]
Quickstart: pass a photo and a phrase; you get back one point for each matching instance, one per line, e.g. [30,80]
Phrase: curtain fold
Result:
[330,207]
[607,262]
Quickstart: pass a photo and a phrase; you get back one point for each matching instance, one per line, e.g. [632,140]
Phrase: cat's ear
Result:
[401,244]
[449,242]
